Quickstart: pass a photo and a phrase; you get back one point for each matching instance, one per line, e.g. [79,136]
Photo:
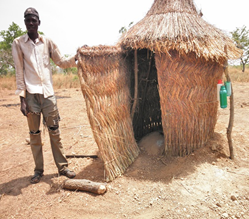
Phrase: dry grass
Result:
[59,80]
[237,75]
[7,83]
[72,81]
[66,81]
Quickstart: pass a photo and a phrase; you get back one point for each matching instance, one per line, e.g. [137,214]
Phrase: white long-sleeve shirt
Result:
[32,64]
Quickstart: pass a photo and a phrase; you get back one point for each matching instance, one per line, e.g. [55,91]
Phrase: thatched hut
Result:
[180,59]
[162,75]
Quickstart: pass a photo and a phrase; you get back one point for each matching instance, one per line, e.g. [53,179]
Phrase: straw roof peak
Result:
[172,6]
[176,25]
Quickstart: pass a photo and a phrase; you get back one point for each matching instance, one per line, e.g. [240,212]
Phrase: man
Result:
[31,53]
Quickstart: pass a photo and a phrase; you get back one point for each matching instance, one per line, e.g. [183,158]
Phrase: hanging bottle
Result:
[223,97]
[218,89]
[228,88]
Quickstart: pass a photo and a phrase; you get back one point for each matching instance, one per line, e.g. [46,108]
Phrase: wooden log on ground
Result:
[85,185]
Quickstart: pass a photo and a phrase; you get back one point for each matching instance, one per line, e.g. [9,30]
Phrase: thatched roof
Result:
[100,50]
[176,24]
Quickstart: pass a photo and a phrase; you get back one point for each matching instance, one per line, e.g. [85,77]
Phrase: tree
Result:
[241,39]
[6,60]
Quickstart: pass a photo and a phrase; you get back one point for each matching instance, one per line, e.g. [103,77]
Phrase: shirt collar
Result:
[26,38]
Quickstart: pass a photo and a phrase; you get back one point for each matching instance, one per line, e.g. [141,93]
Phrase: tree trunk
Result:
[231,118]
[243,67]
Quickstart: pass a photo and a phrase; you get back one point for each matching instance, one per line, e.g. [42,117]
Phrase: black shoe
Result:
[68,173]
[36,178]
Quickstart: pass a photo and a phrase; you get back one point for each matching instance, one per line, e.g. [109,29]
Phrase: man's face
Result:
[32,22]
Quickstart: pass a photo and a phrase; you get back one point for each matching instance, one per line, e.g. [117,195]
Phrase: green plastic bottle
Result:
[228,88]
[223,97]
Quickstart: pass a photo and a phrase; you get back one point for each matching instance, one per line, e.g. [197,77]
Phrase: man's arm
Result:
[18,60]
[21,87]
[60,60]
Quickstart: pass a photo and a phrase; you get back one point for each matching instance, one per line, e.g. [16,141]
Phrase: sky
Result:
[74,23]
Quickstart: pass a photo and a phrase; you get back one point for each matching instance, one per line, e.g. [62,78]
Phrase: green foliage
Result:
[9,35]
[124,29]
[241,39]
[70,70]
[6,60]
[75,78]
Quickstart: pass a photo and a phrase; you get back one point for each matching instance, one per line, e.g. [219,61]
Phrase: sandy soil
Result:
[205,184]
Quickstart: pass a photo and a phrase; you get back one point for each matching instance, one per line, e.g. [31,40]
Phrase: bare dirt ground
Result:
[205,184]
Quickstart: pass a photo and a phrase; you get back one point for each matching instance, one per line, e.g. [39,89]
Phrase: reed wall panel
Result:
[105,85]
[188,99]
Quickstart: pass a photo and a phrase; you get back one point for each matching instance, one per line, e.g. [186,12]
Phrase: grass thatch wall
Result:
[176,93]
[187,88]
[104,82]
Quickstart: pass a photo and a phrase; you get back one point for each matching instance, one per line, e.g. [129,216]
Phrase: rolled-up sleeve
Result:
[19,66]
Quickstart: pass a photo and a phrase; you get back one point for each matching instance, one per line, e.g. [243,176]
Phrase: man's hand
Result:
[24,106]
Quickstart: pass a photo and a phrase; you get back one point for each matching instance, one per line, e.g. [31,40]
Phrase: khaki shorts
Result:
[38,104]
[48,107]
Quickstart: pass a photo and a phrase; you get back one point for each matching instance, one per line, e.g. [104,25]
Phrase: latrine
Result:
[161,76]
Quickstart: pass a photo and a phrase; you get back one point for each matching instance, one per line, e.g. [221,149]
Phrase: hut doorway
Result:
[147,116]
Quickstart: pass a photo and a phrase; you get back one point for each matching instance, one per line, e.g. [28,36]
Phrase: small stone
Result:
[218,204]
[233,198]
[225,215]
[27,140]
[136,198]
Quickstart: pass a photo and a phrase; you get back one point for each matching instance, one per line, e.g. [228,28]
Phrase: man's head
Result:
[31,11]
[31,20]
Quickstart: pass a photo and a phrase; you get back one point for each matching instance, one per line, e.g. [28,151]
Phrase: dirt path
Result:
[206,184]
